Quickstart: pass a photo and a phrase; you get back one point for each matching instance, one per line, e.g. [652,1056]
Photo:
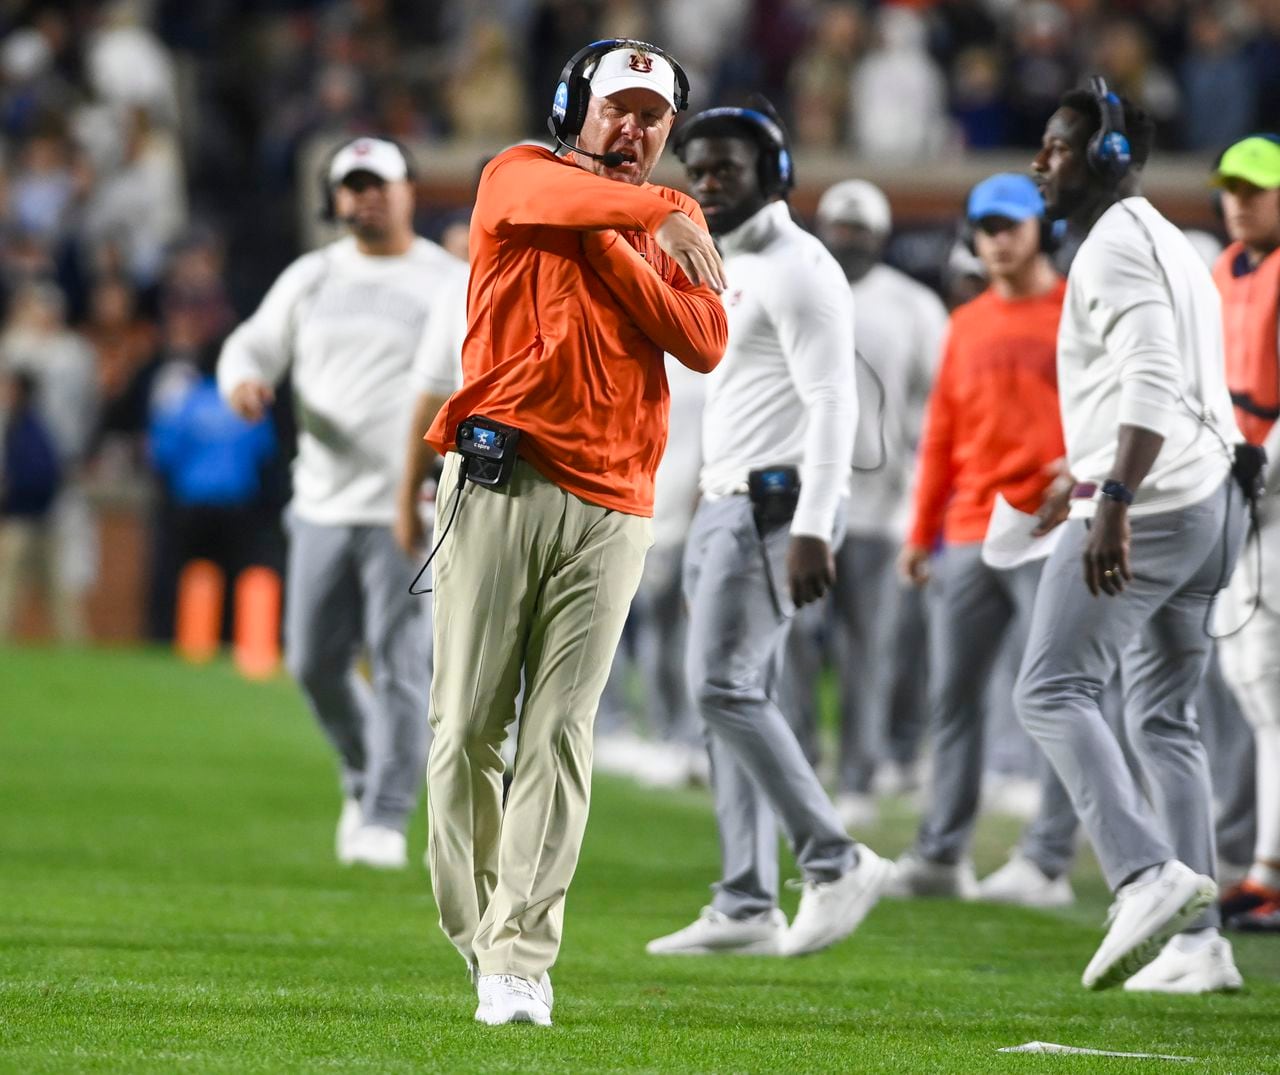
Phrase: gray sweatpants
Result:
[759,773]
[974,609]
[1156,632]
[348,592]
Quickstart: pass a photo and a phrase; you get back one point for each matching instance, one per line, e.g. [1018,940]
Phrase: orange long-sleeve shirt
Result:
[567,325]
[993,424]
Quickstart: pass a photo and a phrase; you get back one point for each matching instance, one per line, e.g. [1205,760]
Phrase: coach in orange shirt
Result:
[992,427]
[582,275]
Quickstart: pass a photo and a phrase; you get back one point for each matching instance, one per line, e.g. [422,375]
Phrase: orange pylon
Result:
[199,622]
[257,626]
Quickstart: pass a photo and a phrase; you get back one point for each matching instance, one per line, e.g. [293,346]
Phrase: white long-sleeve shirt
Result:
[351,326]
[785,392]
[901,324]
[1140,343]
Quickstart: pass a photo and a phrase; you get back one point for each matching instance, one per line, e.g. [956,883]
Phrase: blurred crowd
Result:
[149,156]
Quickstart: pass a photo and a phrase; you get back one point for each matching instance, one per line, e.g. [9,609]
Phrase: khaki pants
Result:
[529,579]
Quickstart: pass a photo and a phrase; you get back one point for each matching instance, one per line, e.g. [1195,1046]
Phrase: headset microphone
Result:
[609,160]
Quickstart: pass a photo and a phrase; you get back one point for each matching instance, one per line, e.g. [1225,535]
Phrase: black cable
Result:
[457,500]
[768,572]
[880,413]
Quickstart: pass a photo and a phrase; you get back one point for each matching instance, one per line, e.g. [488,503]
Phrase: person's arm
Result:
[410,534]
[255,356]
[812,312]
[934,475]
[685,320]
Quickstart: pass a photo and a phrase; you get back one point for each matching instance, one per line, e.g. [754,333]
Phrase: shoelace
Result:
[523,986]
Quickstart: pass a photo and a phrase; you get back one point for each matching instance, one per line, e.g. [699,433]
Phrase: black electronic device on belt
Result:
[774,493]
[488,450]
[1248,467]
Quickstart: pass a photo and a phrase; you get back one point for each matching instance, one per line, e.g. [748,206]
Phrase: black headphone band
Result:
[569,107]
[777,171]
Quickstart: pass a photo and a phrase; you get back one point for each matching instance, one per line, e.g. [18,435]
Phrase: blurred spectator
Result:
[29,479]
[1221,95]
[486,92]
[126,64]
[1263,52]
[1124,57]
[1040,70]
[822,75]
[45,187]
[978,103]
[31,87]
[36,341]
[899,93]
[193,285]
[703,37]
[125,349]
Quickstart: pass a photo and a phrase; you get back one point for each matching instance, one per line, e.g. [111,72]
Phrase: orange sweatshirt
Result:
[992,423]
[570,307]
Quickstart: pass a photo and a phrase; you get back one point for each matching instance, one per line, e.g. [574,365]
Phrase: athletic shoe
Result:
[544,984]
[379,847]
[856,810]
[508,998]
[715,933]
[1022,882]
[918,876]
[1262,919]
[1206,968]
[1012,796]
[896,778]
[351,818]
[830,910]
[1143,917]
[1245,896]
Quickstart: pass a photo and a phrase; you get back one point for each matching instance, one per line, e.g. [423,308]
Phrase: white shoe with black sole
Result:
[1145,914]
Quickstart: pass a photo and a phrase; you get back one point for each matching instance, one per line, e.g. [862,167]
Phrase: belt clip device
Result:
[774,493]
[488,450]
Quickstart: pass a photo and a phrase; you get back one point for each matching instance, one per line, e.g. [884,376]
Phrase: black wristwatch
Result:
[1116,490]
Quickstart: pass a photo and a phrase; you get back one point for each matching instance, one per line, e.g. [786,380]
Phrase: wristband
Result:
[1117,490]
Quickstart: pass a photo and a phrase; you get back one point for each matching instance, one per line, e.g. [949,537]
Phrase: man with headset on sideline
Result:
[1248,278]
[351,319]
[1156,520]
[875,638]
[582,275]
[777,437]
[992,430]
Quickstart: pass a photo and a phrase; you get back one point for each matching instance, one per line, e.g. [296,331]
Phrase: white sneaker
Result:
[1207,968]
[857,811]
[351,818]
[917,876]
[714,933]
[1022,882]
[1012,796]
[507,998]
[379,847]
[830,910]
[896,778]
[1143,917]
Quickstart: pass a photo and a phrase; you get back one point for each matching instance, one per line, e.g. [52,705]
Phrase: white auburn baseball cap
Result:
[631,68]
[375,155]
[855,201]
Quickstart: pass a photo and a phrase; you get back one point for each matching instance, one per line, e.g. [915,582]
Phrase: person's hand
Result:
[408,530]
[1106,552]
[811,568]
[250,399]
[913,564]
[1056,506]
[693,250]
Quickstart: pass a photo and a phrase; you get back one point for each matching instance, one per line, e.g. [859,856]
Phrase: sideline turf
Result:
[169,903]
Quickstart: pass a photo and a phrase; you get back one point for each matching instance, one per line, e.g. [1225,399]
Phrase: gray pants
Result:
[974,609]
[856,628]
[348,590]
[759,773]
[1232,765]
[909,687]
[1155,631]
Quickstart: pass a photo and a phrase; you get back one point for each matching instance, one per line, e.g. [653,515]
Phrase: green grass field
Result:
[169,903]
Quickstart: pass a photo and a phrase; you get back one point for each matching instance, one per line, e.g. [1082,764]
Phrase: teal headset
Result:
[1109,154]
[573,92]
[777,171]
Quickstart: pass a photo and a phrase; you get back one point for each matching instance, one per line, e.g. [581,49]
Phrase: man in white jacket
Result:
[1155,524]
[779,420]
[349,321]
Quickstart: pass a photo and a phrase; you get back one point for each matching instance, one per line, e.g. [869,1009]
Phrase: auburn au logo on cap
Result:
[638,61]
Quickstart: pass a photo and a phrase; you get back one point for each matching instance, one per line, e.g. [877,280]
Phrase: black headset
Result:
[776,169]
[1109,154]
[328,211]
[573,92]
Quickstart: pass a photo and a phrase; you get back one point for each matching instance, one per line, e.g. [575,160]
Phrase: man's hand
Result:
[693,250]
[913,564]
[1106,552]
[1057,505]
[811,568]
[409,532]
[250,399]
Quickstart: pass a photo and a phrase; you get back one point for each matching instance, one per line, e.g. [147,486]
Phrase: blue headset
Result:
[1109,154]
[776,169]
